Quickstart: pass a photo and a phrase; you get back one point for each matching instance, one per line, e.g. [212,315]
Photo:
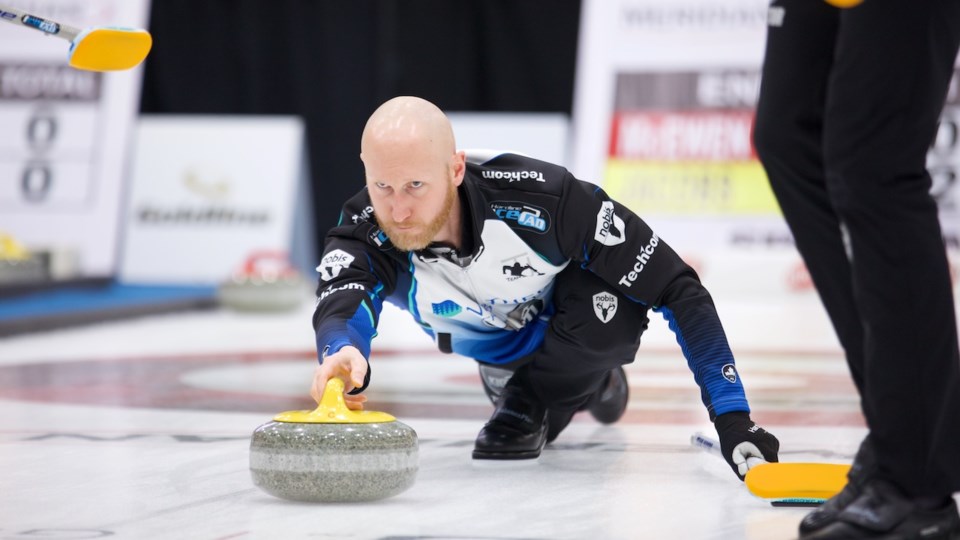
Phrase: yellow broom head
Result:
[110,49]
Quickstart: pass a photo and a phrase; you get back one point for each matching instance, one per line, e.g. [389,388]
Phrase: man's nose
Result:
[402,208]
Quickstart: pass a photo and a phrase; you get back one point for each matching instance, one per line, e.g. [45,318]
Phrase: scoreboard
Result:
[48,152]
[65,139]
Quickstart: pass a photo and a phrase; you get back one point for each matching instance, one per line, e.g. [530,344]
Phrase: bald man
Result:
[538,276]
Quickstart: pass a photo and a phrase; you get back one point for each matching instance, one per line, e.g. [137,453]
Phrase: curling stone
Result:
[265,282]
[333,454]
[17,265]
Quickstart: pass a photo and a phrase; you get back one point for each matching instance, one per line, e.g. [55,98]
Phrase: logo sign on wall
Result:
[664,103]
[63,136]
[208,191]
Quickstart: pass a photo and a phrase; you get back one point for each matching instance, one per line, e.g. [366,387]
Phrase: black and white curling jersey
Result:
[525,220]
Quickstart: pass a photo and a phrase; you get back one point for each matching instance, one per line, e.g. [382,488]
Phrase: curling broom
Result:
[786,484]
[98,48]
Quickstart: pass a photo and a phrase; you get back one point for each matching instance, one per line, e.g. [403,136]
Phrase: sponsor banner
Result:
[682,136]
[663,115]
[698,188]
[64,137]
[720,88]
[651,55]
[663,109]
[210,190]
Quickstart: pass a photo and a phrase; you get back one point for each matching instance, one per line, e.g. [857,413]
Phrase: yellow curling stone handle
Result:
[11,250]
[333,410]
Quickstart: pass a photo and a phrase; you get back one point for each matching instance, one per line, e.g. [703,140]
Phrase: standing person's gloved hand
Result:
[740,439]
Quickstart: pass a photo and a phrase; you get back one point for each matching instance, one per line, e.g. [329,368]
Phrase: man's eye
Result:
[381,185]
[416,184]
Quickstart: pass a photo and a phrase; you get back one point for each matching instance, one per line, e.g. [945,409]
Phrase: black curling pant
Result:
[849,103]
[590,333]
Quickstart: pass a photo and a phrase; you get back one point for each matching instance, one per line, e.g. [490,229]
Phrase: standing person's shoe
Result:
[864,465]
[609,403]
[517,429]
[882,511]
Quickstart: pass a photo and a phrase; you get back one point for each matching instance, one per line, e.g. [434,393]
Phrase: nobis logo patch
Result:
[610,228]
[332,263]
[729,372]
[604,306]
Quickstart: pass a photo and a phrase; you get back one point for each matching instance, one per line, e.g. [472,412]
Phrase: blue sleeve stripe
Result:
[412,293]
[361,328]
[706,353]
[371,320]
[357,331]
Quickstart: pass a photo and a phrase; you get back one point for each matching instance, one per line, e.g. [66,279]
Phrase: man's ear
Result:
[459,167]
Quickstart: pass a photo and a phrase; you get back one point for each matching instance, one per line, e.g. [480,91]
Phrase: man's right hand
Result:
[348,364]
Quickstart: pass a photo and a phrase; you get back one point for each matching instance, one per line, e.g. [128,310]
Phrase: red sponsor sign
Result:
[683,136]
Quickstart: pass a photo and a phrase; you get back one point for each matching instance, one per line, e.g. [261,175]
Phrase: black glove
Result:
[740,439]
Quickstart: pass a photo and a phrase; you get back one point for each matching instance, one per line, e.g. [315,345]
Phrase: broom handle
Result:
[15,16]
[712,446]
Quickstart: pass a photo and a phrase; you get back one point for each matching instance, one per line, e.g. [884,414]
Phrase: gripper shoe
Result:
[517,429]
[609,403]
[864,466]
[882,511]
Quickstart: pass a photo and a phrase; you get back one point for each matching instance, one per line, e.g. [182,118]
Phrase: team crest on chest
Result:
[515,268]
[605,306]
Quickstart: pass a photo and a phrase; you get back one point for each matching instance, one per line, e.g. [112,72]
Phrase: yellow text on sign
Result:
[701,188]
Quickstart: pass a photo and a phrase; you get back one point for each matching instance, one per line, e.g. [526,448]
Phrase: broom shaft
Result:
[53,28]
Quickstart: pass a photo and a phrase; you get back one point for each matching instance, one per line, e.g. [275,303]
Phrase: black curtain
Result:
[333,62]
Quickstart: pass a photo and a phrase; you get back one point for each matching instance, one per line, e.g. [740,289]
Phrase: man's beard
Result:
[413,241]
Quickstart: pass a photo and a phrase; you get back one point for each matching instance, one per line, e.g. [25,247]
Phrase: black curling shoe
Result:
[608,404]
[517,429]
[864,466]
[882,511]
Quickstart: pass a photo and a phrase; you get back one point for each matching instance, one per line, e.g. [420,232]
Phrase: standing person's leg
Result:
[593,332]
[788,135]
[789,140]
[894,60]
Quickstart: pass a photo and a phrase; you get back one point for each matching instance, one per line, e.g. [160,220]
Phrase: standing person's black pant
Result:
[849,104]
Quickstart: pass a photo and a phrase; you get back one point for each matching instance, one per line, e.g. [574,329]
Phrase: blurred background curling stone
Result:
[265,282]
[17,265]
[333,454]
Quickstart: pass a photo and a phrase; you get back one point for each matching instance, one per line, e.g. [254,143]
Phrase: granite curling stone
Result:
[333,454]
[265,283]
